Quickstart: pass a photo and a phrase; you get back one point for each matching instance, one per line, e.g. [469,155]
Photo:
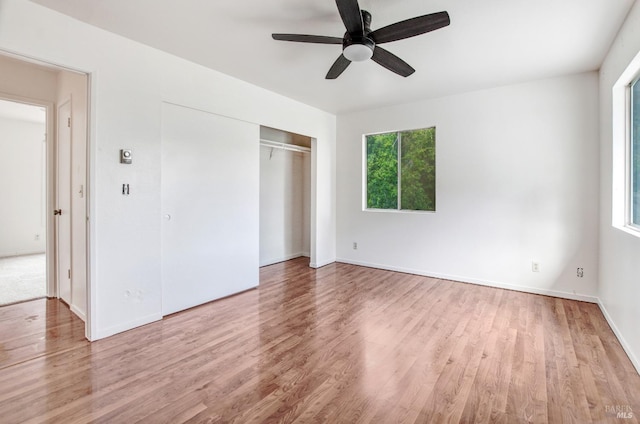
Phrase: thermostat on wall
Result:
[125,156]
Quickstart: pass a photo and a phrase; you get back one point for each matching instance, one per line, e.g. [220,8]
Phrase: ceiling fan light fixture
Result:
[358,52]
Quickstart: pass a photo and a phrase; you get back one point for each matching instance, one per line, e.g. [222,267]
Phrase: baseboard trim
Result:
[79,313]
[321,264]
[282,259]
[634,360]
[18,254]
[120,328]
[462,279]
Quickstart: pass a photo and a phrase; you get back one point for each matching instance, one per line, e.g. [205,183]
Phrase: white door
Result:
[210,207]
[63,203]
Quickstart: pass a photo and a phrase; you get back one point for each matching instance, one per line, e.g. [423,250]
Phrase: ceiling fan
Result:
[360,43]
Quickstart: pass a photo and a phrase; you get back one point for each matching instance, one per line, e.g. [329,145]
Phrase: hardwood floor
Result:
[342,344]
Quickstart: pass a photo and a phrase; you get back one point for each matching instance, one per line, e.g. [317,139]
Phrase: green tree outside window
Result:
[408,183]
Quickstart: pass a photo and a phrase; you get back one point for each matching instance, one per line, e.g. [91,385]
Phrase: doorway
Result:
[62,235]
[285,196]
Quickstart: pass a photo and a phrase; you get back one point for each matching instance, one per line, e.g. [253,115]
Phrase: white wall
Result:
[619,282]
[517,181]
[22,187]
[129,83]
[74,87]
[284,228]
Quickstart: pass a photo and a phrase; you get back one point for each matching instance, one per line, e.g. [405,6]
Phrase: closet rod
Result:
[284,146]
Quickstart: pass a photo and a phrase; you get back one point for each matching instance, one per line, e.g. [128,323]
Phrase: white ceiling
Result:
[489,43]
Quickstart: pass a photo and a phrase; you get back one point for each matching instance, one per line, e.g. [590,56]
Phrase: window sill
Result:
[400,211]
[629,229]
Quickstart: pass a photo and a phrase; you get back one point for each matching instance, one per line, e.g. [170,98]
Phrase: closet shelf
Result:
[284,146]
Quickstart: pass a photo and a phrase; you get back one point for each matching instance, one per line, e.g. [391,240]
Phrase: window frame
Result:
[629,155]
[365,190]
[621,146]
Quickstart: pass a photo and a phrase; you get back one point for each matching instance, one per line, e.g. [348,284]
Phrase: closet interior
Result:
[285,185]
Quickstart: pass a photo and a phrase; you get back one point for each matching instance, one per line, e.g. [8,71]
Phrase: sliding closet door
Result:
[210,207]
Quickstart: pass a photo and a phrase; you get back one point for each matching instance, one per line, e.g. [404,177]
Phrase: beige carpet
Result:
[22,278]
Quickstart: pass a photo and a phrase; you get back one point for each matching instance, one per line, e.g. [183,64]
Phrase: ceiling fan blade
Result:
[302,38]
[338,67]
[392,62]
[351,15]
[410,27]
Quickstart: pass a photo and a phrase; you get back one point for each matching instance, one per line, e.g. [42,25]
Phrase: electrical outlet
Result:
[37,237]
[535,267]
[355,246]
[580,272]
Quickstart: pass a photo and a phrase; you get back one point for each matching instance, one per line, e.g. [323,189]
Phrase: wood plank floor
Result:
[342,344]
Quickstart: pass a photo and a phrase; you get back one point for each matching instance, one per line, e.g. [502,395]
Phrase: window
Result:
[401,170]
[634,166]
[625,133]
